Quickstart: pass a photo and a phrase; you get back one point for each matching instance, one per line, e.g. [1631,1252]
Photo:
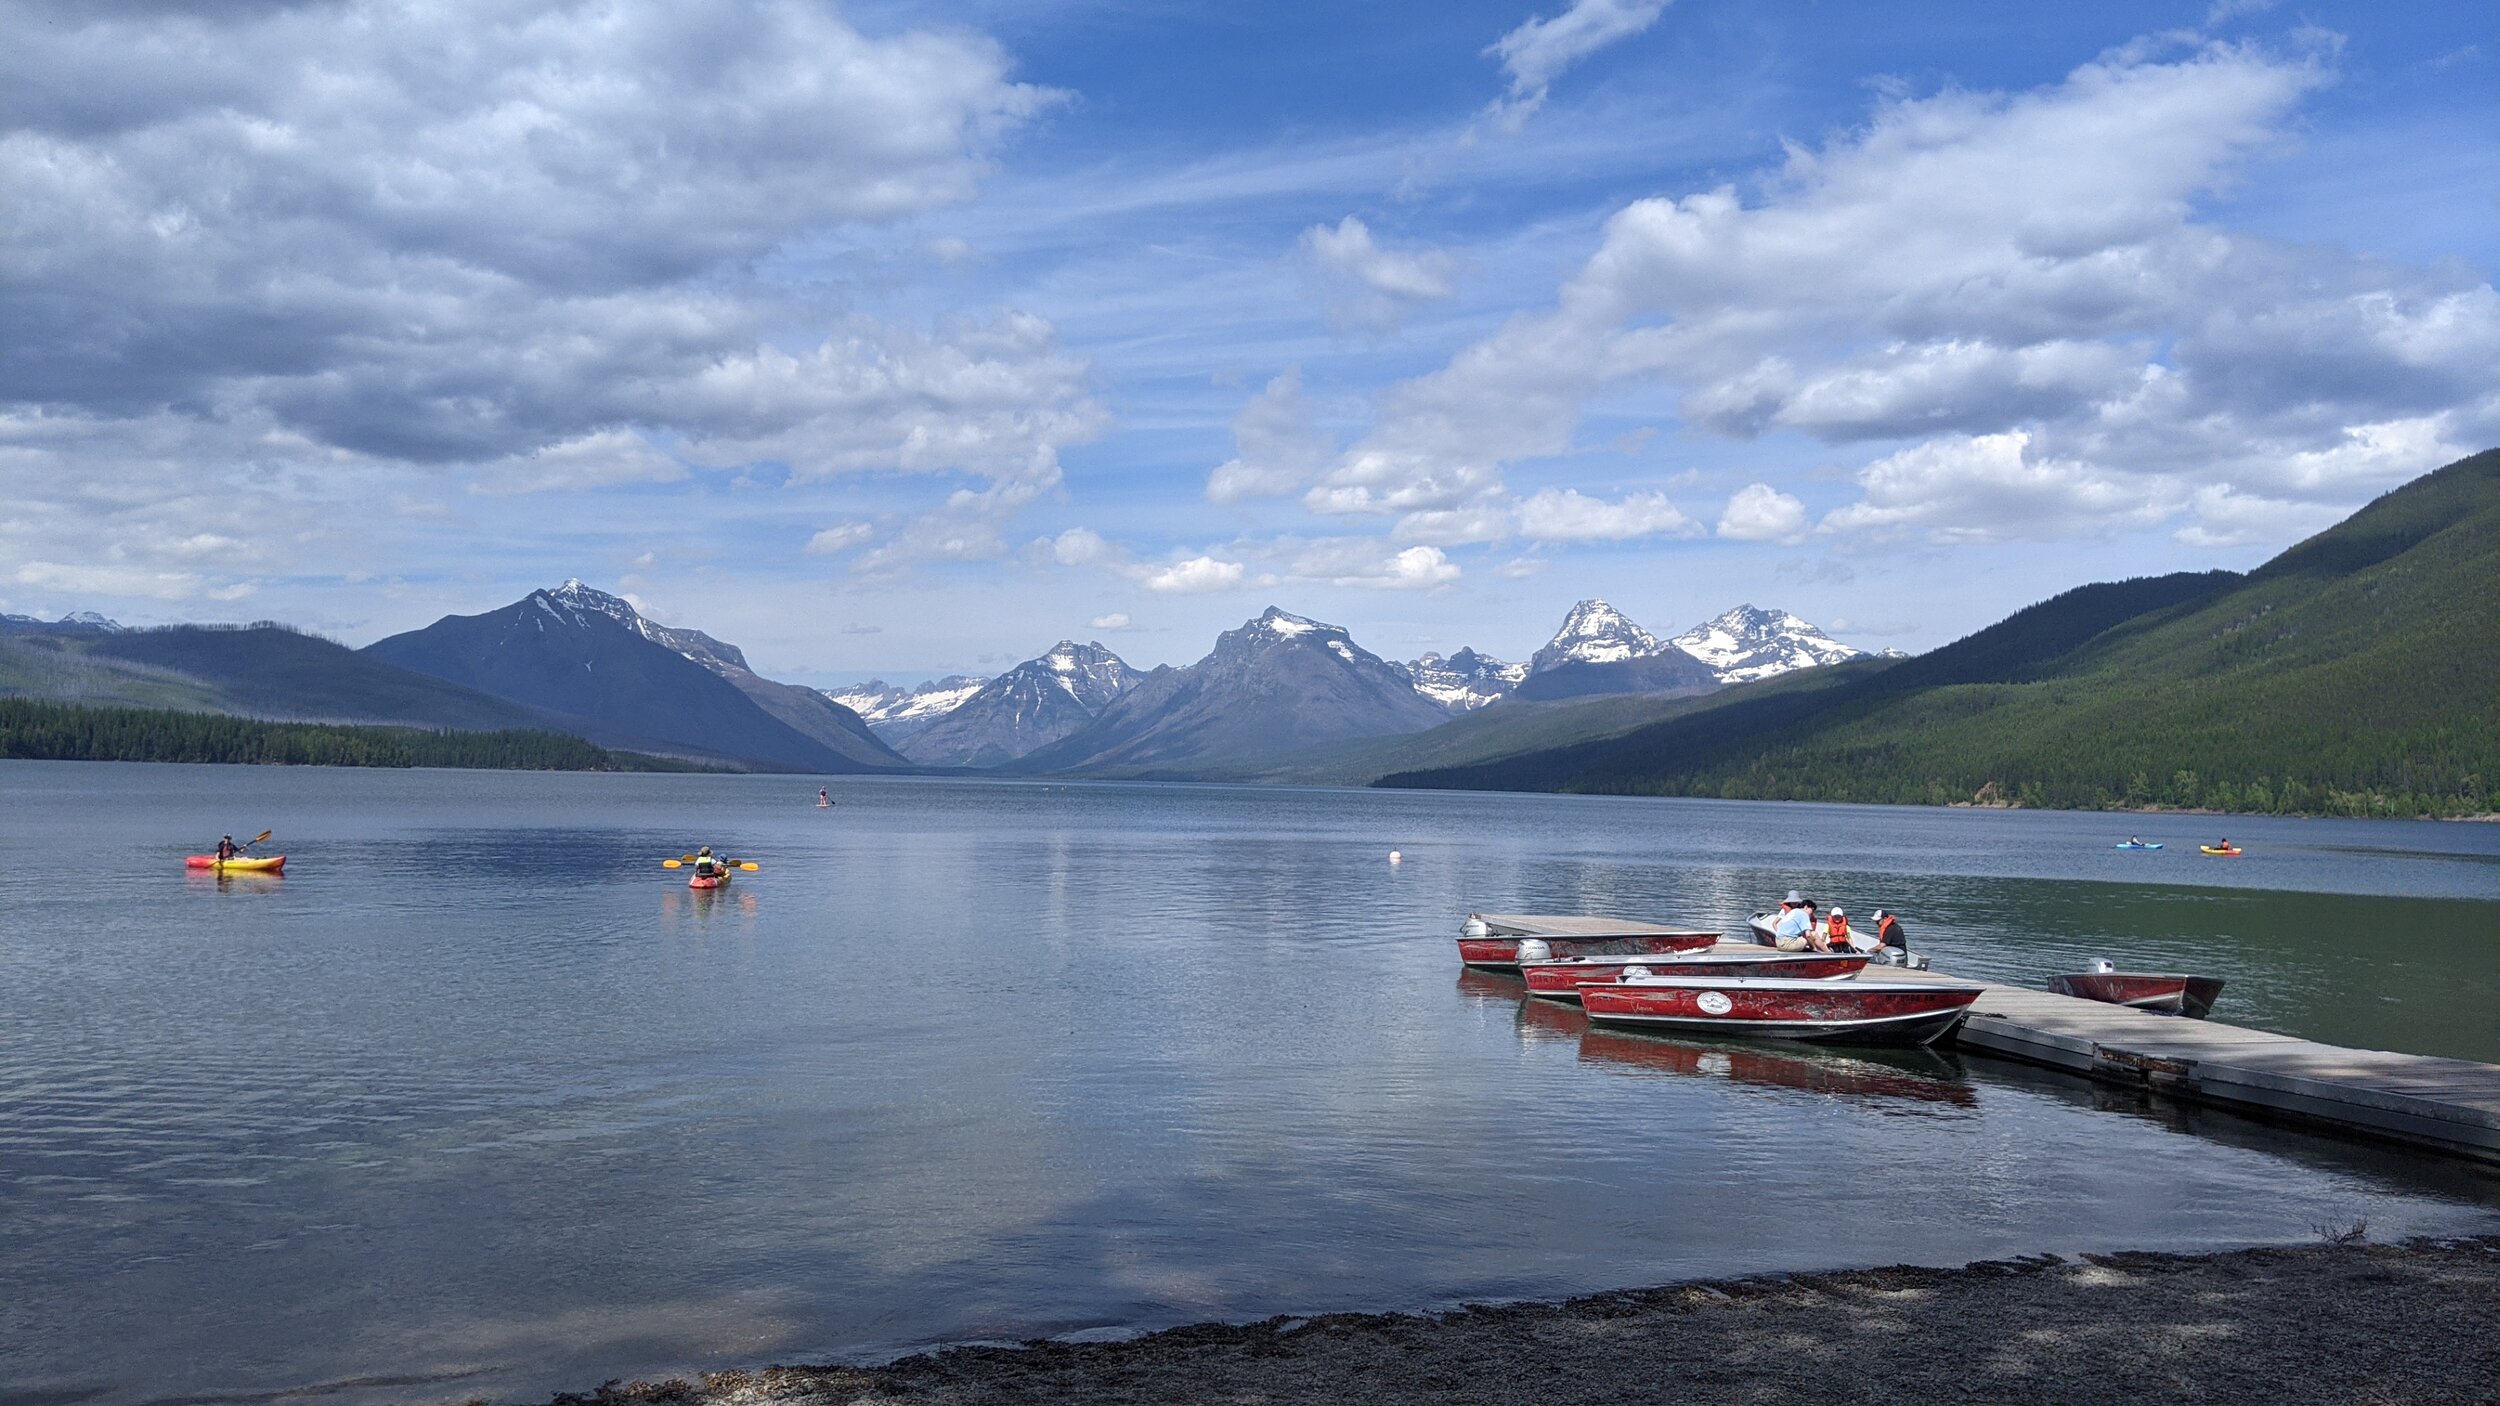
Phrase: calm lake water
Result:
[479,1100]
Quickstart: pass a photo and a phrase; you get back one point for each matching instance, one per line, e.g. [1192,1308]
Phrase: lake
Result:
[480,1100]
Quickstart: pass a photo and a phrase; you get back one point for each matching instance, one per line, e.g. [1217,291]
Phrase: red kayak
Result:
[707,881]
[240,864]
[1561,978]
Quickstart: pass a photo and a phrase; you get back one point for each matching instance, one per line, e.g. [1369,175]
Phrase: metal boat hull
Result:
[1562,978]
[1501,953]
[2191,996]
[1852,1012]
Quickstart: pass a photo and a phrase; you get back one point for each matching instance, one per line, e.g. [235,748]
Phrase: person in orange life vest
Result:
[1837,934]
[1889,933]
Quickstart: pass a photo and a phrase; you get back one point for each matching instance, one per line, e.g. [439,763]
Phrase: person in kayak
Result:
[227,849]
[705,866]
[823,797]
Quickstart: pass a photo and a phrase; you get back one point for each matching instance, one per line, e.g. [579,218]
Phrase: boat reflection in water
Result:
[1915,1075]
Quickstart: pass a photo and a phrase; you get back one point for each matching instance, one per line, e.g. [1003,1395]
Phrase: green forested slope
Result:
[64,732]
[2357,673]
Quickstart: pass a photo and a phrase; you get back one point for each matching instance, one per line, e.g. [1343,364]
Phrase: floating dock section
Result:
[2449,1104]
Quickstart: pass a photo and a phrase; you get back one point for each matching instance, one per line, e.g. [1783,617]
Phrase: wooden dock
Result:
[2449,1104]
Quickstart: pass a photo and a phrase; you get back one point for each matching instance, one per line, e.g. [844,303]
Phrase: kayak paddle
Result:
[256,839]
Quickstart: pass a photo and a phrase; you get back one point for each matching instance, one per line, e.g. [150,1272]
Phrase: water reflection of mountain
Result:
[1915,1076]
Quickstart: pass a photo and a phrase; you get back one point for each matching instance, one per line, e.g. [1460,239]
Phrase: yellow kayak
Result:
[240,864]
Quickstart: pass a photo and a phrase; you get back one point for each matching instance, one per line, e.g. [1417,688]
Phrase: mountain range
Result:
[576,659]
[2356,673]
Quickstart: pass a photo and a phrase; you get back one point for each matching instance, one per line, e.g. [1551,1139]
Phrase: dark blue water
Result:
[479,1100]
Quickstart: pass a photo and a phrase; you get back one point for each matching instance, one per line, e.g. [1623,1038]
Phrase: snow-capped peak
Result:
[1752,643]
[1594,633]
[1464,681]
[1279,622]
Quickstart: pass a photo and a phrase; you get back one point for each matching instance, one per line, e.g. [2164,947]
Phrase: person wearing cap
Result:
[1792,933]
[1889,933]
[1836,932]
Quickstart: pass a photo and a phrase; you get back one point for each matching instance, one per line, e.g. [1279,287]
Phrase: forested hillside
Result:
[2356,674]
[62,732]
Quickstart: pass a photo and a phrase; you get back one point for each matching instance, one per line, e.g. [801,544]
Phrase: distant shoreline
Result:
[2325,1323]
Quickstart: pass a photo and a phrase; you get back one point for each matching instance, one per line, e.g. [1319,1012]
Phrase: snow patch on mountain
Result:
[1750,643]
[1594,633]
[1464,681]
[891,711]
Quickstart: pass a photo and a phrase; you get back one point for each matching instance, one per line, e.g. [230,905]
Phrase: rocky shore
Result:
[2417,1322]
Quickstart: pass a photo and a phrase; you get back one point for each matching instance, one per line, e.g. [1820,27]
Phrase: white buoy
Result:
[1396,858]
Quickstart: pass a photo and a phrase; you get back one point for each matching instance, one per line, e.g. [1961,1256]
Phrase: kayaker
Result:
[226,849]
[823,797]
[704,863]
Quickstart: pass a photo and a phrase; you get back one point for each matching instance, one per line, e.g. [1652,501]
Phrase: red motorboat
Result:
[2191,996]
[1485,945]
[1786,1008]
[1560,978]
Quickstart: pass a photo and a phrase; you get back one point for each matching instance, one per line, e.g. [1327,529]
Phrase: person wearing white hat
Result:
[1794,930]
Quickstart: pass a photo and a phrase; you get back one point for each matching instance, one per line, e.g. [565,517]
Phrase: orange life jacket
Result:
[1839,930]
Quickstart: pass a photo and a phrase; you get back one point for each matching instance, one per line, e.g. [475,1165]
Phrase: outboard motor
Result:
[1474,928]
[1535,949]
[2103,965]
[1635,972]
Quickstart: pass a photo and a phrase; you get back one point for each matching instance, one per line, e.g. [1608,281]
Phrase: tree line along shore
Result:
[38,731]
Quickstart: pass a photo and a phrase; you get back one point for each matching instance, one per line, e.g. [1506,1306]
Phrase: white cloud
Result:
[841,537]
[1195,576]
[1116,620]
[1990,488]
[1365,563]
[1368,286]
[338,241]
[602,459]
[1760,513]
[1083,546]
[2223,516]
[1278,450]
[1538,52]
[2043,273]
[1567,515]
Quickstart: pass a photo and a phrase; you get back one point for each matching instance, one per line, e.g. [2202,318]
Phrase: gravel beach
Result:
[2417,1322]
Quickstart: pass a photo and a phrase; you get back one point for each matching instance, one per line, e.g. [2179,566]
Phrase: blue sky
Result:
[906,339]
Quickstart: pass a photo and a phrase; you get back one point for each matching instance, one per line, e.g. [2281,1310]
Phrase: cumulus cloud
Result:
[1366,286]
[2052,340]
[1116,620]
[1539,51]
[334,240]
[1760,513]
[1278,449]
[1365,563]
[1988,488]
[1194,576]
[1567,515]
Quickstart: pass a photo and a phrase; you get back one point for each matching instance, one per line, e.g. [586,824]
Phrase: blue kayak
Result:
[2132,844]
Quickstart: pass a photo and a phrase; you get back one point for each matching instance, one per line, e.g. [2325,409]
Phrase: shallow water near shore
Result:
[479,1100]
